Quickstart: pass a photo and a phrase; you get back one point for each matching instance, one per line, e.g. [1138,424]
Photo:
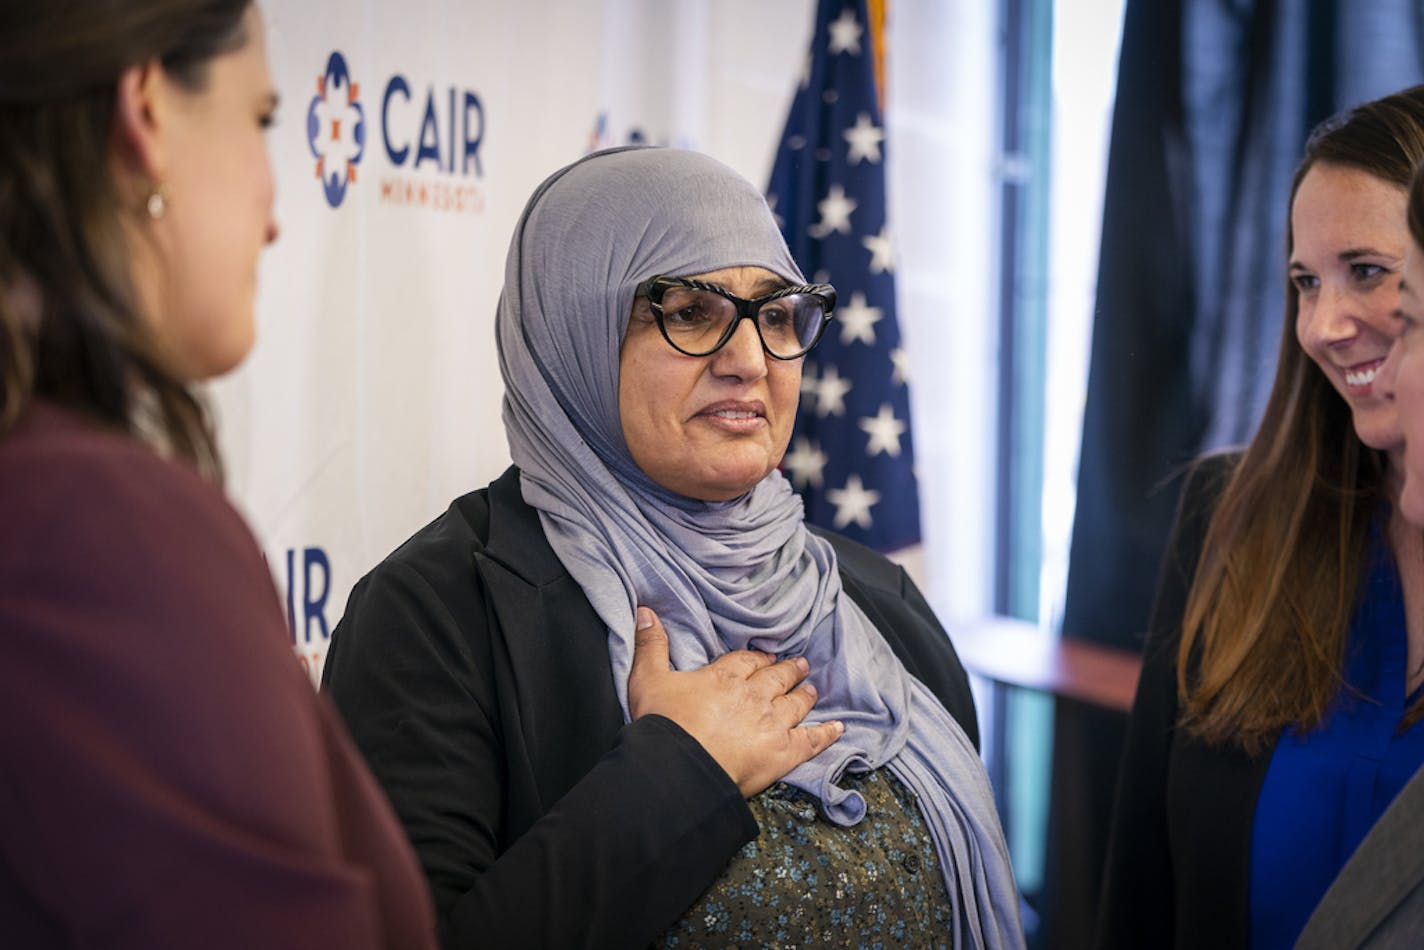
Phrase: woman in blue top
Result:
[1276,716]
[1377,901]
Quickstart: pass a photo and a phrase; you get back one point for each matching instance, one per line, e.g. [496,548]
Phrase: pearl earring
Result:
[157,204]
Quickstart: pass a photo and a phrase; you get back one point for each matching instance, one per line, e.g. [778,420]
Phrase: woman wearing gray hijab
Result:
[624,695]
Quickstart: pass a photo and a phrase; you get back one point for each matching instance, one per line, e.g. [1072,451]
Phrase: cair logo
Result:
[336,129]
[427,137]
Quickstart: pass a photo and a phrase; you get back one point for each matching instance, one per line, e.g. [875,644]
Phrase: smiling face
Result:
[1402,380]
[707,427]
[1349,241]
[217,182]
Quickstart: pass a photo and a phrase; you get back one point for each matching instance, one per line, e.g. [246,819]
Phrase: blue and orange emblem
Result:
[336,129]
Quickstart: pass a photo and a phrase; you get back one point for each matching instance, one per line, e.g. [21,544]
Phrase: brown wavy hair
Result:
[70,328]
[1263,636]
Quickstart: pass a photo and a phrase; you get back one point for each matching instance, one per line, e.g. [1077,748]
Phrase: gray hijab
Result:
[741,574]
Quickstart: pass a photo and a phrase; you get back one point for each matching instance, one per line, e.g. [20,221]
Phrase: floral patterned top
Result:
[807,882]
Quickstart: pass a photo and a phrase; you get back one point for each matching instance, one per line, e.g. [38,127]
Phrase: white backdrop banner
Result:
[410,136]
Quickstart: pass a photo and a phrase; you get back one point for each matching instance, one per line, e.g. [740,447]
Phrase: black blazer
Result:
[1179,853]
[474,676]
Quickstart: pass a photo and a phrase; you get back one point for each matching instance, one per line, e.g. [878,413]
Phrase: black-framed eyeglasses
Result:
[698,318]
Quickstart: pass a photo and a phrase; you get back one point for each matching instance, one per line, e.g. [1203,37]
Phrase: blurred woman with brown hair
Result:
[1287,643]
[170,777]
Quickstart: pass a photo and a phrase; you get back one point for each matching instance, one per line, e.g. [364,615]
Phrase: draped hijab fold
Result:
[722,576]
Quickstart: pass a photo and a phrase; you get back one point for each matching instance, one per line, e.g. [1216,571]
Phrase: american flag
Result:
[851,455]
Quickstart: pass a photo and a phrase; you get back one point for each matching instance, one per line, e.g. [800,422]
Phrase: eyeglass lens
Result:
[695,320]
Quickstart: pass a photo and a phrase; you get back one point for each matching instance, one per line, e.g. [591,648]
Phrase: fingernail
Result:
[840,727]
[644,618]
[802,665]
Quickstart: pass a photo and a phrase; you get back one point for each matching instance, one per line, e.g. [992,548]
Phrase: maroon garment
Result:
[168,775]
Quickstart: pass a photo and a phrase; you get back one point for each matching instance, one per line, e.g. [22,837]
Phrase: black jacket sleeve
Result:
[610,863]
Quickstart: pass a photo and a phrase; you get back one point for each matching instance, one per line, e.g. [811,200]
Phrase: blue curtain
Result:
[1214,102]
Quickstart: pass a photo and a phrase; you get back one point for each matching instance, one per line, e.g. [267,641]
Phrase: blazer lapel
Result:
[551,651]
[1386,867]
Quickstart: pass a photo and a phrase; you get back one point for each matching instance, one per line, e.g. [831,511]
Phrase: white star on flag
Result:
[845,33]
[864,139]
[853,503]
[858,319]
[835,211]
[884,431]
[805,462]
[830,394]
[901,361]
[882,256]
[810,385]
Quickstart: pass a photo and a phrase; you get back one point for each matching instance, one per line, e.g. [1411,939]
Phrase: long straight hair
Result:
[70,327]
[1268,614]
